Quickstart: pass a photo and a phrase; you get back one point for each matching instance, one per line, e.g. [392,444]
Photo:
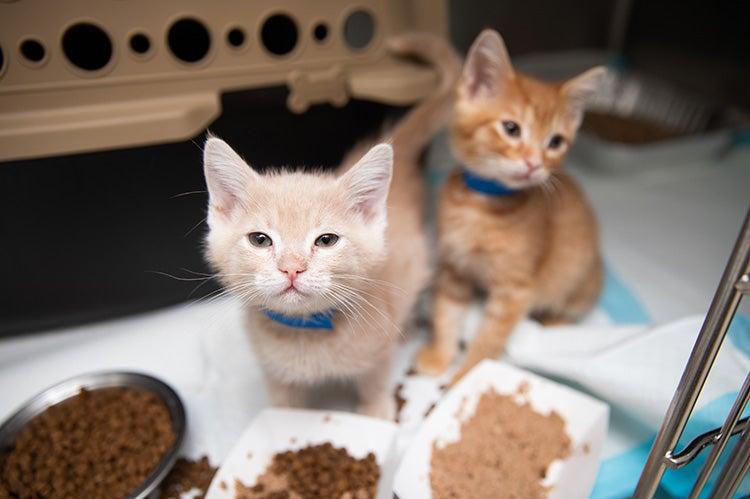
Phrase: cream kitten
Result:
[329,265]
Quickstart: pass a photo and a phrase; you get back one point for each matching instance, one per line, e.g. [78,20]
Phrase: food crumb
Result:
[400,401]
[586,448]
[327,418]
[223,485]
[429,409]
[187,475]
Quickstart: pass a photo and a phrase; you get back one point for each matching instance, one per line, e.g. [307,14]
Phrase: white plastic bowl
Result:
[585,419]
[279,430]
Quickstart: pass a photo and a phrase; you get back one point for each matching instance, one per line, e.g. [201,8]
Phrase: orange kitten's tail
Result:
[415,130]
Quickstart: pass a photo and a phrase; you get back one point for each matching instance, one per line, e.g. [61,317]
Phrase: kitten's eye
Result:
[260,240]
[512,128]
[326,240]
[556,141]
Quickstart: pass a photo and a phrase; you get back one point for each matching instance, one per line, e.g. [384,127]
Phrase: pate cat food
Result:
[504,451]
[315,472]
[97,444]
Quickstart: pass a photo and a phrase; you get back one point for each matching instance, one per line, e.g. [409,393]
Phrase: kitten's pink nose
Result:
[292,271]
[531,166]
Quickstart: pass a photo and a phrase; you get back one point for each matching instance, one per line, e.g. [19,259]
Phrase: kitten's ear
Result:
[227,176]
[487,66]
[579,89]
[367,182]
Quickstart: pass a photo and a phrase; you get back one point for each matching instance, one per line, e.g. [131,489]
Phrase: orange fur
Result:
[534,252]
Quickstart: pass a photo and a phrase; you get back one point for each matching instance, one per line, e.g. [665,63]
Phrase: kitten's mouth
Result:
[291,290]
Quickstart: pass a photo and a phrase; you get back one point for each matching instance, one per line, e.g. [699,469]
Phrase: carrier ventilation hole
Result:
[140,43]
[279,34]
[320,32]
[188,39]
[359,29]
[87,46]
[32,50]
[236,38]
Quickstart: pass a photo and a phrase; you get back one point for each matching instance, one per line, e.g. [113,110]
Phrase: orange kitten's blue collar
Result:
[485,185]
[319,320]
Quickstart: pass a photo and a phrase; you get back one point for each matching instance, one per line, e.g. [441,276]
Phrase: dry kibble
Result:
[187,475]
[315,472]
[100,444]
[508,447]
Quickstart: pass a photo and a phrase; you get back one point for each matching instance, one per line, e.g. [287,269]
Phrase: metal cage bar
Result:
[734,471]
[734,283]
[727,430]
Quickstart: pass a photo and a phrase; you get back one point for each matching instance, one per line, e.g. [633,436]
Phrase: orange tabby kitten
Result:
[511,223]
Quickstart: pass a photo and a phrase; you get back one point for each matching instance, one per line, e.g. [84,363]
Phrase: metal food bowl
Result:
[65,390]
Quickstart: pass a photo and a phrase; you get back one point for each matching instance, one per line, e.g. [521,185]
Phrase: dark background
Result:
[703,46]
[85,237]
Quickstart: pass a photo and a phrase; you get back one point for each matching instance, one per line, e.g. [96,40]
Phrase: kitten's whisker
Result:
[357,327]
[351,313]
[176,278]
[364,302]
[360,291]
[222,292]
[392,290]
[198,287]
[194,227]
[187,194]
[360,311]
[374,282]
[197,273]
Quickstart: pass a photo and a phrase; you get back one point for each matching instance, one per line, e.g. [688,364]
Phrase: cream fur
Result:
[372,275]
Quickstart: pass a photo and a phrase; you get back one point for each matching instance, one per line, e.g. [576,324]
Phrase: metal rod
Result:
[743,285]
[734,470]
[713,331]
[691,450]
[726,432]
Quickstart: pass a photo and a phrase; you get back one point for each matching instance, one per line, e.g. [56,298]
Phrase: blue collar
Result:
[319,320]
[486,186]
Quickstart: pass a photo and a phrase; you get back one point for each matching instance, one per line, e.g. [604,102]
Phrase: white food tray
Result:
[585,419]
[279,430]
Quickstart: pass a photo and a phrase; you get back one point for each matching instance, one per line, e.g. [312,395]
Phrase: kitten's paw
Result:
[433,361]
[383,409]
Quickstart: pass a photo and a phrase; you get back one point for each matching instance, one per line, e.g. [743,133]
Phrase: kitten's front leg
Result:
[375,398]
[453,295]
[504,309]
[283,394]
